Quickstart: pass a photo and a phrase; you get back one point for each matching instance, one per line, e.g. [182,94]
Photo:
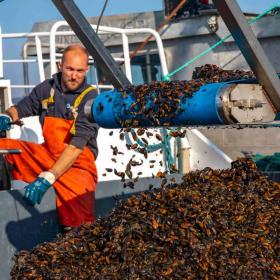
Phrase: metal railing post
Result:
[40,59]
[1,55]
[126,57]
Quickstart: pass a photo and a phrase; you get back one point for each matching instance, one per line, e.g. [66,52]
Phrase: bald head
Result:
[74,67]
[77,49]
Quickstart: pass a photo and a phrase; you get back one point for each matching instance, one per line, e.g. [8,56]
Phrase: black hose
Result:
[101,15]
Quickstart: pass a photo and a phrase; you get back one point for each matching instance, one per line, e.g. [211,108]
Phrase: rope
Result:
[167,152]
[164,145]
[150,148]
[168,76]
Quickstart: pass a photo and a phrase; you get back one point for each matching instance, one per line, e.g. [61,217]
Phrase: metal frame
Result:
[91,41]
[54,56]
[250,48]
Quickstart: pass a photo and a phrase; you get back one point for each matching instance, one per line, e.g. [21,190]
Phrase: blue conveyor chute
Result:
[110,107]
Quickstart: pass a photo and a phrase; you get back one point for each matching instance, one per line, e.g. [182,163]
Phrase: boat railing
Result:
[54,56]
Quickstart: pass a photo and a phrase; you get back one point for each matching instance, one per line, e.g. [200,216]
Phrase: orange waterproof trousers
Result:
[75,189]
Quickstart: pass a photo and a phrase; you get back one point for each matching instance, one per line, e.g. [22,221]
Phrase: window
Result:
[145,69]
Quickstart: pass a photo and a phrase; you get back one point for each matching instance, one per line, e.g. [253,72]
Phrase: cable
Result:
[101,15]
[162,24]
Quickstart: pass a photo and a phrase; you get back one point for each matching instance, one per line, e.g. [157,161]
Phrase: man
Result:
[66,160]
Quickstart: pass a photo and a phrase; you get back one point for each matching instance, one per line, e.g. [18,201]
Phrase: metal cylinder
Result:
[213,104]
[110,109]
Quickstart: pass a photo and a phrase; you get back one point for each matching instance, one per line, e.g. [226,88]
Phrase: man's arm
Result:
[84,131]
[65,161]
[31,105]
[36,190]
[13,113]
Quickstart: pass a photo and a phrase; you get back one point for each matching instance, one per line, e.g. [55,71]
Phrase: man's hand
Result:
[18,122]
[5,122]
[35,191]
[13,113]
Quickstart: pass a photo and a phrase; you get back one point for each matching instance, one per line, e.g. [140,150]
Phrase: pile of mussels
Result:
[216,224]
[167,97]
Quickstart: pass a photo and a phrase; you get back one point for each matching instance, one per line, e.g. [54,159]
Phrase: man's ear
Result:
[59,66]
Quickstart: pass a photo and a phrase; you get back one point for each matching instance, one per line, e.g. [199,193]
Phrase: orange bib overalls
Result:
[75,189]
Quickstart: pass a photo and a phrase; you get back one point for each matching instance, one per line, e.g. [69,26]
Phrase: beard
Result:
[70,84]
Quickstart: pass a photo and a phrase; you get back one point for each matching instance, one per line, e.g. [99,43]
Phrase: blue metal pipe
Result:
[110,108]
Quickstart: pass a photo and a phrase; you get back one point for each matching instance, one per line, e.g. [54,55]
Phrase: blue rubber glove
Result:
[35,191]
[5,122]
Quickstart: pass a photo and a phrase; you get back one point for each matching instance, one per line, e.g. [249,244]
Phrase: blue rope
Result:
[150,148]
[164,145]
[167,152]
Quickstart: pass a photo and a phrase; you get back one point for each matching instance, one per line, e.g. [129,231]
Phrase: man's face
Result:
[74,68]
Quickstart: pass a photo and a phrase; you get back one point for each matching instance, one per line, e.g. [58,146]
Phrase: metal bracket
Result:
[245,103]
[213,24]
[250,48]
[92,43]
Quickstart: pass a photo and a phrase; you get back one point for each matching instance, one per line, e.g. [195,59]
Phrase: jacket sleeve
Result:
[30,105]
[84,131]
